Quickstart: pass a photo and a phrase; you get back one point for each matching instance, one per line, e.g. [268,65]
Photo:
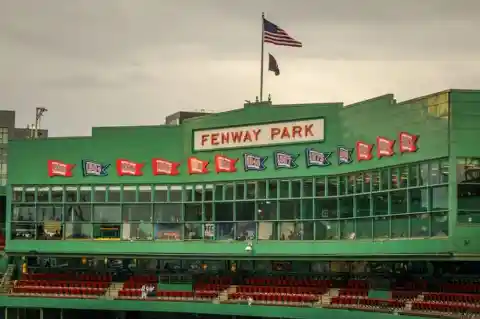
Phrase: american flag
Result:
[275,35]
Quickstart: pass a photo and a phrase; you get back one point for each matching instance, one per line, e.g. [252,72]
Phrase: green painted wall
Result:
[464,141]
[198,308]
[343,126]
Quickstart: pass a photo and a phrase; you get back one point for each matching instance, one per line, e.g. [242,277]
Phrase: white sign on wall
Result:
[259,135]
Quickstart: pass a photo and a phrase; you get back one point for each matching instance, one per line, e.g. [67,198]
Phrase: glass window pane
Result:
[289,209]
[424,174]
[381,227]
[420,225]
[85,194]
[268,231]
[332,187]
[57,194]
[78,213]
[399,202]
[320,186]
[224,231]
[251,190]
[49,213]
[434,173]
[444,171]
[193,213]
[327,230]
[418,200]
[17,195]
[346,207]
[176,193]
[363,205]
[307,188]
[137,231]
[170,213]
[78,231]
[306,209]
[375,176]
[272,189]
[364,228]
[137,212]
[400,226]
[129,194]
[30,194]
[380,204]
[224,211]
[413,175]
[107,213]
[267,210]
[23,213]
[71,194]
[440,224]
[24,230]
[244,210]
[43,194]
[440,198]
[114,193]
[193,231]
[168,231]
[246,231]
[100,194]
[145,194]
[326,208]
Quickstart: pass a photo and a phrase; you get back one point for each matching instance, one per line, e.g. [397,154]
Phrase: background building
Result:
[8,131]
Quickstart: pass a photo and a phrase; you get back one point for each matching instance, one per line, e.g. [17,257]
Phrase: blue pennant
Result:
[344,155]
[316,158]
[253,162]
[285,160]
[91,168]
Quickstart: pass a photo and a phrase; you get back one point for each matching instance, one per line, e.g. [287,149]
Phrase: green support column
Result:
[6,312]
[41,313]
[61,313]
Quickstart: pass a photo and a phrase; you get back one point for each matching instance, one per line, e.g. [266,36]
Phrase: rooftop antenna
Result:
[39,112]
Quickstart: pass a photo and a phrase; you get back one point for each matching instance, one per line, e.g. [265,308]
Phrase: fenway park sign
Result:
[259,135]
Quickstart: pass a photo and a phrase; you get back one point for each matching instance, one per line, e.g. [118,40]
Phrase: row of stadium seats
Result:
[286,298]
[281,290]
[60,283]
[445,307]
[137,293]
[68,276]
[369,302]
[451,297]
[59,291]
[353,292]
[287,281]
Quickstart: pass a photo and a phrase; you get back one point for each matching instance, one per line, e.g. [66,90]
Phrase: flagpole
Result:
[261,59]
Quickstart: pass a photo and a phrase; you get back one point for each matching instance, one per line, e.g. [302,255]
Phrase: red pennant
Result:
[197,166]
[126,167]
[164,167]
[225,164]
[408,142]
[364,151]
[384,147]
[59,168]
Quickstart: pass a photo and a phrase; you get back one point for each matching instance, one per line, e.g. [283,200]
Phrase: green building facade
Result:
[318,180]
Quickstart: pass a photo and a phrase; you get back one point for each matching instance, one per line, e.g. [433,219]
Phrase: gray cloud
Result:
[133,62]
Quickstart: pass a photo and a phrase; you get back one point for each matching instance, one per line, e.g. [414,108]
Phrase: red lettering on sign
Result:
[291,132]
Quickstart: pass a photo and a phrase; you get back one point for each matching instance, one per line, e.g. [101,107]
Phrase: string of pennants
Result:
[282,160]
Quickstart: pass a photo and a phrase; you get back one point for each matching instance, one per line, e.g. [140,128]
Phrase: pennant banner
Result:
[364,151]
[92,168]
[316,158]
[129,168]
[59,168]
[197,166]
[225,164]
[164,167]
[285,160]
[385,147]
[253,162]
[344,155]
[408,142]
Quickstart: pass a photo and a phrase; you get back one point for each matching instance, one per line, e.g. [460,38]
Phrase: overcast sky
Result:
[132,62]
